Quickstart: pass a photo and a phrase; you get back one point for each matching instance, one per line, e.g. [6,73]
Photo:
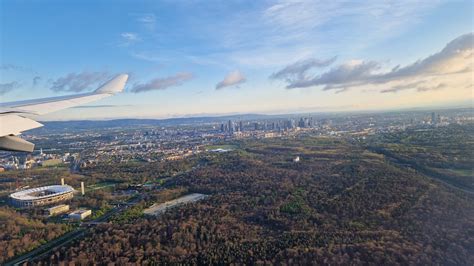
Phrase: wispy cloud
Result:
[148,20]
[77,82]
[7,87]
[420,86]
[13,67]
[36,80]
[288,27]
[99,106]
[295,19]
[299,70]
[456,58]
[234,78]
[162,83]
[129,38]
[269,34]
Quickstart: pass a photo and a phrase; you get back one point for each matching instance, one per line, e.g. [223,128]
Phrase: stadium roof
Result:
[28,194]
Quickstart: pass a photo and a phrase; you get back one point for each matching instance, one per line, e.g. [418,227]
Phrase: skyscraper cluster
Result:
[230,126]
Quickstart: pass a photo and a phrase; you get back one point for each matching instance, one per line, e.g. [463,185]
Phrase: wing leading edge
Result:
[13,120]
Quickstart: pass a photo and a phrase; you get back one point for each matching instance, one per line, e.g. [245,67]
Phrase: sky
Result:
[193,58]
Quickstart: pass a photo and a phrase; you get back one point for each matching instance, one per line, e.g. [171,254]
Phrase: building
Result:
[79,214]
[55,210]
[231,126]
[41,196]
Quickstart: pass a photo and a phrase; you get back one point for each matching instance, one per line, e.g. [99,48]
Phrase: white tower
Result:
[62,181]
[82,188]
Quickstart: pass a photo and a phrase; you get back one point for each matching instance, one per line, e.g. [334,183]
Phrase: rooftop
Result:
[41,192]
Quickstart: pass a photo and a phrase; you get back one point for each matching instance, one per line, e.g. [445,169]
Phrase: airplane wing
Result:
[15,116]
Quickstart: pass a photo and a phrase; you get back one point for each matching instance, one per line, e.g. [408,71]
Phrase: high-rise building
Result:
[241,126]
[231,126]
[433,118]
[301,123]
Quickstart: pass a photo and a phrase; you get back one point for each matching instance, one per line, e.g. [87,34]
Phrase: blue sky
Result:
[220,57]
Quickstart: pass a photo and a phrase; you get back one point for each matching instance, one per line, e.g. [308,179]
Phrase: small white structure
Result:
[297,159]
[55,210]
[79,214]
[82,189]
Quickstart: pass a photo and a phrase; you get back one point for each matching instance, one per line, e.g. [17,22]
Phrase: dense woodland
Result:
[341,203]
[19,234]
[446,153]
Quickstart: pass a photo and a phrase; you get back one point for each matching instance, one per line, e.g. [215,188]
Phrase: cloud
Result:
[77,82]
[408,86]
[129,38]
[456,58]
[233,78]
[345,75]
[147,20]
[99,106]
[7,87]
[13,67]
[36,80]
[10,67]
[163,83]
[420,86]
[296,20]
[299,69]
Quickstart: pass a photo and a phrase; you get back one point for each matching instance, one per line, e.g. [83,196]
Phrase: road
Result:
[69,236]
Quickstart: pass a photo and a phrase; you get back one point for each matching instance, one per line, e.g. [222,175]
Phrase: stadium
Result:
[41,196]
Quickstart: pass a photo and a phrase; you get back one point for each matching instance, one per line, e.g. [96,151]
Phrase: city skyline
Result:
[206,58]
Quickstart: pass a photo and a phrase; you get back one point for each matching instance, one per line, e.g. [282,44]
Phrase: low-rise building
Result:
[79,214]
[55,210]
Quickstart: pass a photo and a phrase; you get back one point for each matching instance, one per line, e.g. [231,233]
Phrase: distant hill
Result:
[89,124]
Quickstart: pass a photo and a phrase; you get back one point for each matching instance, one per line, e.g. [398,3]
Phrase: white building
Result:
[55,210]
[80,214]
[41,196]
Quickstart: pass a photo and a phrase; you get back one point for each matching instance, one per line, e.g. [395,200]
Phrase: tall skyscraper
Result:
[231,126]
[302,123]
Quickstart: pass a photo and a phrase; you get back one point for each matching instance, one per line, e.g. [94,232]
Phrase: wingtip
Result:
[115,85]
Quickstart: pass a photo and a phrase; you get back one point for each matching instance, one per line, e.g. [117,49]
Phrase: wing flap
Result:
[13,143]
[14,124]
